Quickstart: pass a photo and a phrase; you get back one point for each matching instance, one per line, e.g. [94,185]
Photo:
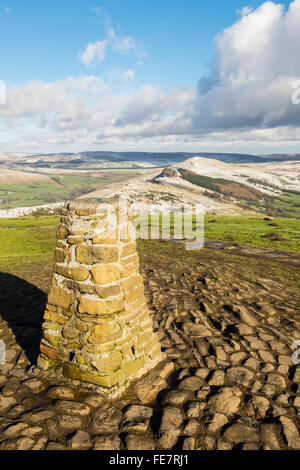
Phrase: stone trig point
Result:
[97,325]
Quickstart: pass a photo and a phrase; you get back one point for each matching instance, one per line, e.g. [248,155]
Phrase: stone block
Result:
[77,274]
[56,318]
[105,274]
[99,307]
[59,297]
[90,254]
[62,232]
[50,353]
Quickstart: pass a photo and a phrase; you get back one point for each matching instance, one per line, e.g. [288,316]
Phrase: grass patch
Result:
[223,186]
[287,205]
[255,231]
[58,189]
[28,245]
[276,234]
[27,240]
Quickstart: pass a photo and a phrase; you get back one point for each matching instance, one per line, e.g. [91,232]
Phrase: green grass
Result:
[287,205]
[27,247]
[28,240]
[251,231]
[204,181]
[245,230]
[32,241]
[58,189]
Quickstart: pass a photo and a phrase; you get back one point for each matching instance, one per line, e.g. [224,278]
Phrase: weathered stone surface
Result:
[191,383]
[110,363]
[15,429]
[170,427]
[140,443]
[277,381]
[194,409]
[25,443]
[90,254]
[148,388]
[81,441]
[176,397]
[77,274]
[35,385]
[104,274]
[55,446]
[240,375]
[62,232]
[72,408]
[215,421]
[100,307]
[225,401]
[245,316]
[55,318]
[291,433]
[45,363]
[172,418]
[59,297]
[238,433]
[217,379]
[269,437]
[261,406]
[74,372]
[69,423]
[191,428]
[189,443]
[109,442]
[51,353]
[106,420]
[136,418]
[61,392]
[41,416]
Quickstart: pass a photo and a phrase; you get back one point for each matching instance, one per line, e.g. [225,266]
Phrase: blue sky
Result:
[41,39]
[124,75]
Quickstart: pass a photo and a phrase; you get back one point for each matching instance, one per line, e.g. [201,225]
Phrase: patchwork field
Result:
[50,189]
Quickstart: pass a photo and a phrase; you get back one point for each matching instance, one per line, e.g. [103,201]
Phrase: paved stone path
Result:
[228,382]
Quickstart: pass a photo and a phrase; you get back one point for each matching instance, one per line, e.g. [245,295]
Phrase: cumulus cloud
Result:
[37,98]
[252,73]
[244,101]
[128,75]
[118,43]
[96,50]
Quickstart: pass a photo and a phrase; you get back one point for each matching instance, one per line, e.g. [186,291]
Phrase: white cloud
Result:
[7,10]
[128,75]
[37,98]
[244,11]
[124,44]
[251,76]
[244,104]
[96,50]
[117,43]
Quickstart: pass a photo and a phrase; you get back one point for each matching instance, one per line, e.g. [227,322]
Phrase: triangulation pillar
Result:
[97,325]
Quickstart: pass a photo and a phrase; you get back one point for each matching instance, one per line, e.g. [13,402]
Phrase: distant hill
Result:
[157,159]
